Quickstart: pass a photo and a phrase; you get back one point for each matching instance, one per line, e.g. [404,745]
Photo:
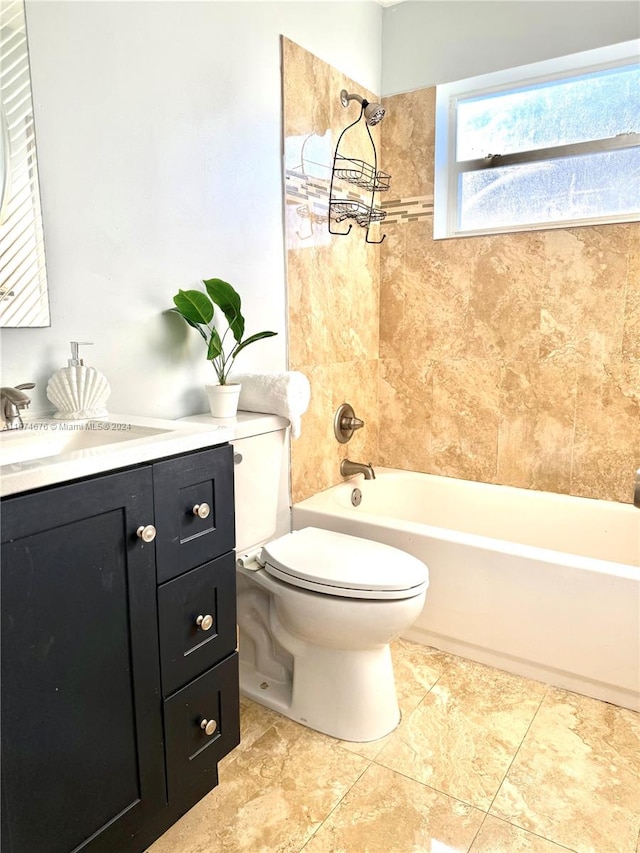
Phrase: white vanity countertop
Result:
[244,425]
[48,451]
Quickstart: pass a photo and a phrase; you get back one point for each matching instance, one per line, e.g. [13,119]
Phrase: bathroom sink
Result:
[43,439]
[49,451]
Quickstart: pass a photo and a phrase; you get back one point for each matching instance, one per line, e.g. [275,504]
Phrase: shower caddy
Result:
[357,173]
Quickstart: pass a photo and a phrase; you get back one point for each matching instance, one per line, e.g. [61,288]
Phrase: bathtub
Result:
[538,584]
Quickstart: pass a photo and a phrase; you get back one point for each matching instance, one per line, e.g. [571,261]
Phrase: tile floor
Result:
[482,761]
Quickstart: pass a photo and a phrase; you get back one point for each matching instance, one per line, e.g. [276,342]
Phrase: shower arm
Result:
[345,97]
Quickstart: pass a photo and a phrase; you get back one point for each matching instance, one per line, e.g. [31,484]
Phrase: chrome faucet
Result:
[347,467]
[12,400]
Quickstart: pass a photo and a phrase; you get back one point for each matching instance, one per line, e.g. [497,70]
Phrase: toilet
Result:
[316,609]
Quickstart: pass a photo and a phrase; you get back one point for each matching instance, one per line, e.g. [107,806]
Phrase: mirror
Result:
[24,300]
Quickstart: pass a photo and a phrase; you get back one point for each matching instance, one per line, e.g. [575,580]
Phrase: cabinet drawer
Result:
[192,754]
[186,540]
[206,595]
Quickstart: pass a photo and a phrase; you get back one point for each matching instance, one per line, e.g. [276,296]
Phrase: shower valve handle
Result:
[351,423]
[345,423]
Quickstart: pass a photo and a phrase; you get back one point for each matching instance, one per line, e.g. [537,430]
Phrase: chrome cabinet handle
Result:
[202,510]
[204,622]
[146,532]
[208,726]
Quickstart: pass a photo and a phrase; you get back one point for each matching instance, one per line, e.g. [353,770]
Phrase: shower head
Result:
[373,113]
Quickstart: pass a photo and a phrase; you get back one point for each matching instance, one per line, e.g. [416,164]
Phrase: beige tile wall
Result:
[512,359]
[509,359]
[333,286]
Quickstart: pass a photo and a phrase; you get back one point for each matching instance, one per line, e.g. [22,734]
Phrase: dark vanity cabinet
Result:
[119,665]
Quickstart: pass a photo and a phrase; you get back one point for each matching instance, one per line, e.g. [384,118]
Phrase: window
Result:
[547,145]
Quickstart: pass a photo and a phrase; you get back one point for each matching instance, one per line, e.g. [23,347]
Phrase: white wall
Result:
[159,141]
[426,42]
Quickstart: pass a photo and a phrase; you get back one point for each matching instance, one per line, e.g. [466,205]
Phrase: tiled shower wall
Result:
[333,281]
[510,359]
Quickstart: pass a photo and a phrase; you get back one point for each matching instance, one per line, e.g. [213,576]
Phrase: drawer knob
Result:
[202,510]
[146,532]
[204,622]
[208,726]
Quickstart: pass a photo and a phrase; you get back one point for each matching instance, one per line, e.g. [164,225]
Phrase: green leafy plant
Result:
[198,309]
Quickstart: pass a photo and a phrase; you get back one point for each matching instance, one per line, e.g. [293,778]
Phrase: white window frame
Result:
[447,170]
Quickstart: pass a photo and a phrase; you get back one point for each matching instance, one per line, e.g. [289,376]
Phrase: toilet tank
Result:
[262,503]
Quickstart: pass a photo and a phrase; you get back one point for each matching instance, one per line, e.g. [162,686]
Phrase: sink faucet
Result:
[12,400]
[347,467]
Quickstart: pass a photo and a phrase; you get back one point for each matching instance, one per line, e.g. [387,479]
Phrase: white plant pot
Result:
[223,399]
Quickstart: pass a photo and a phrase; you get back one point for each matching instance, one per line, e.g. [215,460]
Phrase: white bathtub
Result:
[541,585]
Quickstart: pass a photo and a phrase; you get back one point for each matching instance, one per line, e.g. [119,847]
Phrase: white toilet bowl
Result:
[316,616]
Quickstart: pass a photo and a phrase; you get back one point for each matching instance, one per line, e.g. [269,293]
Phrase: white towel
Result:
[286,394]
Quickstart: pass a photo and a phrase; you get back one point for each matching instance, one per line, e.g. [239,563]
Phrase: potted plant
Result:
[198,310]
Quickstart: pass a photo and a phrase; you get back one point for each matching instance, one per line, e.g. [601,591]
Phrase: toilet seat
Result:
[343,565]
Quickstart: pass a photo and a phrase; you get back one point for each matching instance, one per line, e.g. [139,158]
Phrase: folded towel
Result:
[286,394]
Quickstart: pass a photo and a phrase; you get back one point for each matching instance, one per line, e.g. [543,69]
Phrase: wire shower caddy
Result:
[361,174]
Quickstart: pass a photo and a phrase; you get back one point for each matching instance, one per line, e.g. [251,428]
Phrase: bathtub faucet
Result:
[347,468]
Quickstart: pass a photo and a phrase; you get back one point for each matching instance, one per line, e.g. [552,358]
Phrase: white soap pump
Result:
[78,391]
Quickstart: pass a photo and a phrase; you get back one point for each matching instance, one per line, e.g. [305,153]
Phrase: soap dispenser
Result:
[78,391]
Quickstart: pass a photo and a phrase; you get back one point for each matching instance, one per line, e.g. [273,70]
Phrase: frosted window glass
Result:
[591,185]
[591,106]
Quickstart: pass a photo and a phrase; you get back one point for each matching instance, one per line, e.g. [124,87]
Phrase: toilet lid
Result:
[337,564]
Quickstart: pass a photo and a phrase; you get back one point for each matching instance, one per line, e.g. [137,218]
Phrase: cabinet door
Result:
[82,757]
[185,540]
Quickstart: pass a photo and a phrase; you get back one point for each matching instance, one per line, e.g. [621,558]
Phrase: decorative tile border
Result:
[303,189]
[407,209]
